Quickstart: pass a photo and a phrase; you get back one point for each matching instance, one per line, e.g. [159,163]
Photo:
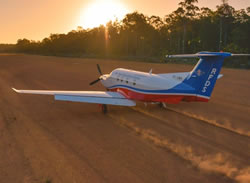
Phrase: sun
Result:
[102,11]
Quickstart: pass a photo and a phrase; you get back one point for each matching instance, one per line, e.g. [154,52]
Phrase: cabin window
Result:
[118,79]
[134,83]
[121,80]
[127,82]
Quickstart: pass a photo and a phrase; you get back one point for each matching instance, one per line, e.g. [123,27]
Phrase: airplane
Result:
[125,87]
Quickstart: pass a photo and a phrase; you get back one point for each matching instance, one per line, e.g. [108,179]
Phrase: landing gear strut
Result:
[162,105]
[104,108]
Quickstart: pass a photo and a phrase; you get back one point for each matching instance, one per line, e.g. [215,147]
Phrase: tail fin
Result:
[204,75]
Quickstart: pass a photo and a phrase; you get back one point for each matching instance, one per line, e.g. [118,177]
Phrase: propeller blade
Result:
[94,82]
[99,69]
[100,72]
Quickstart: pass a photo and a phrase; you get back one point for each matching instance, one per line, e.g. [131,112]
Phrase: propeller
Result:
[94,82]
[99,79]
[99,69]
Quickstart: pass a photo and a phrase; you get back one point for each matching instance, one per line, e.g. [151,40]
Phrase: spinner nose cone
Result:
[104,77]
[104,80]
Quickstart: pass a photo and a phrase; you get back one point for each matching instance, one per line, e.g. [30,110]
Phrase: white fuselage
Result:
[142,80]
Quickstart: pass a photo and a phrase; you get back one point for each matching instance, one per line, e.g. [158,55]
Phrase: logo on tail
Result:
[208,82]
[199,72]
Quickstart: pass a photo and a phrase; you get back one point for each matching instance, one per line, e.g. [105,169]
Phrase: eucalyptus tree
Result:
[182,19]
[225,13]
[140,34]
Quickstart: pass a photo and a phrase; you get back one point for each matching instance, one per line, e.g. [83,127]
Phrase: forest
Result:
[188,29]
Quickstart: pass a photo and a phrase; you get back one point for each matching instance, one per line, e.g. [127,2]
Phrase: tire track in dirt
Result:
[212,122]
[240,147]
[217,163]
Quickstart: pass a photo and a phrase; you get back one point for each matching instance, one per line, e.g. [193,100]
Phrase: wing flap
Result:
[96,100]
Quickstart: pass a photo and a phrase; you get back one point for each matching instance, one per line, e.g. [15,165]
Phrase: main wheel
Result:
[104,108]
[160,105]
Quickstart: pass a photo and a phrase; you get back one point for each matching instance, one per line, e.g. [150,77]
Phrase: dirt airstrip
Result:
[42,140]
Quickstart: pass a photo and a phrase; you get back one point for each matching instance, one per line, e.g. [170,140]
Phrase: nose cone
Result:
[104,79]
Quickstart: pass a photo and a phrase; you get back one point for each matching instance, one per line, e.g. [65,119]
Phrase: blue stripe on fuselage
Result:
[181,88]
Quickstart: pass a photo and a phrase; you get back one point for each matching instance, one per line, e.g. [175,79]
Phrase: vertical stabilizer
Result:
[204,75]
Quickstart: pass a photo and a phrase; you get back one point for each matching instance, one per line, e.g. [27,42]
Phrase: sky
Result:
[37,19]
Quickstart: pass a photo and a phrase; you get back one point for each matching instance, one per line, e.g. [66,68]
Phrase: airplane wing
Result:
[97,97]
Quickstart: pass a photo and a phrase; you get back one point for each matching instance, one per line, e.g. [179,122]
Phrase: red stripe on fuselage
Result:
[172,99]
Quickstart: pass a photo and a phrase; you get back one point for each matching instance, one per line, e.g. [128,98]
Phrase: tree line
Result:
[188,29]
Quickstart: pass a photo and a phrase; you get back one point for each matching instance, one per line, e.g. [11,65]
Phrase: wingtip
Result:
[15,90]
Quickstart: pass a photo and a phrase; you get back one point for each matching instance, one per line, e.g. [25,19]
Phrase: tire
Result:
[160,105]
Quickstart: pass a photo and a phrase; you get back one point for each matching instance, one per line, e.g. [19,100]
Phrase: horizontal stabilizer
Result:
[239,55]
[201,54]
[206,54]
[190,55]
[220,76]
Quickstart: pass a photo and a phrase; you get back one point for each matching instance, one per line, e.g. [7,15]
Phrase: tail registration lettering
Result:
[208,82]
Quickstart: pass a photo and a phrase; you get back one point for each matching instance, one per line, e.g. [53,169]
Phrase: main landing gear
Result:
[104,108]
[162,105]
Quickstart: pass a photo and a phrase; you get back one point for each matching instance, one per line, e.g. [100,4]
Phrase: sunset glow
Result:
[36,20]
[100,12]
